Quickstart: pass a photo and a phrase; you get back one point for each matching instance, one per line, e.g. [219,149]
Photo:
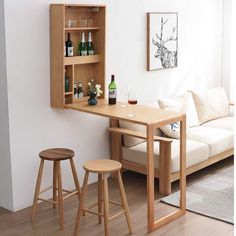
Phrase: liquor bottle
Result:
[69,46]
[64,49]
[75,90]
[90,47]
[82,46]
[112,91]
[80,90]
[67,83]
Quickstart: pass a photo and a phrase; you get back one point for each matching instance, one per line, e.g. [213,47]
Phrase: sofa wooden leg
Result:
[165,168]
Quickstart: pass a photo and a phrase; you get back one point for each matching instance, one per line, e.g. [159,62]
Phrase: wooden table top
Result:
[143,114]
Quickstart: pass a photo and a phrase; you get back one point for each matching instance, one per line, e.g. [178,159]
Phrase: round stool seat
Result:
[102,166]
[56,154]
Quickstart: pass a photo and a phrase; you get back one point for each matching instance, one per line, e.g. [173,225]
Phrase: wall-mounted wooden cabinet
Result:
[85,18]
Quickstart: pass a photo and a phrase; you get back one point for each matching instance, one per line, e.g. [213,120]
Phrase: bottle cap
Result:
[83,38]
[90,37]
[112,77]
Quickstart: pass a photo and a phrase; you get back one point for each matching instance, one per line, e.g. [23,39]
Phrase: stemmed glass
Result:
[132,100]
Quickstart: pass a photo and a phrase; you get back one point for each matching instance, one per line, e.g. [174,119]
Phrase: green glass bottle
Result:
[82,46]
[112,91]
[90,47]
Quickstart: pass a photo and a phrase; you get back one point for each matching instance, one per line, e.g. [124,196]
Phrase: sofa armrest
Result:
[137,134]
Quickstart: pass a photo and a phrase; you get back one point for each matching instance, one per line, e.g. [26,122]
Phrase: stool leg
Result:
[124,202]
[106,204]
[55,184]
[60,196]
[37,188]
[81,203]
[99,197]
[75,177]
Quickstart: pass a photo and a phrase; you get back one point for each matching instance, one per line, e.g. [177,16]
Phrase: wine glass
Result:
[124,91]
[132,100]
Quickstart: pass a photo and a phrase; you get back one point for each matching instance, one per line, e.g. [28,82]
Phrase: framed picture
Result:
[162,40]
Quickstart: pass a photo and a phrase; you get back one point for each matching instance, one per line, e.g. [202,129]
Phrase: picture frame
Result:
[162,40]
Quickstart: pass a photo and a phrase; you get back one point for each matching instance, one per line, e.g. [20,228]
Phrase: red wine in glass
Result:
[132,102]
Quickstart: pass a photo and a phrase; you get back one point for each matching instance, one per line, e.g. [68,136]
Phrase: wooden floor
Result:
[47,221]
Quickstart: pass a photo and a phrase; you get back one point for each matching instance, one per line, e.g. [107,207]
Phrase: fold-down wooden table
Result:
[152,118]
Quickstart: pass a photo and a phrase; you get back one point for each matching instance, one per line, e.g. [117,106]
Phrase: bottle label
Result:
[80,95]
[70,51]
[112,93]
[83,53]
[91,52]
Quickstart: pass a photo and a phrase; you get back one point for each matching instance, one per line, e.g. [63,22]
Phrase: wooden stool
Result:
[56,155]
[103,167]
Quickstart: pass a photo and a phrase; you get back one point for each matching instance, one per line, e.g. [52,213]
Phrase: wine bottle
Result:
[112,91]
[69,46]
[67,83]
[80,90]
[75,90]
[90,47]
[82,46]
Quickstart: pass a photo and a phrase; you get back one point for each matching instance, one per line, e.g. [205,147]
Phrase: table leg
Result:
[152,223]
[150,179]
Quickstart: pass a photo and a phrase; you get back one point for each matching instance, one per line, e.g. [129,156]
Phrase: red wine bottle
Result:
[69,46]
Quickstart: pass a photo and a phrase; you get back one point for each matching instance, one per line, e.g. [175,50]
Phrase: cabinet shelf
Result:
[82,28]
[78,60]
[68,93]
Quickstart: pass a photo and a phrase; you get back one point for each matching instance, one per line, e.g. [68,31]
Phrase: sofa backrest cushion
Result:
[184,104]
[211,104]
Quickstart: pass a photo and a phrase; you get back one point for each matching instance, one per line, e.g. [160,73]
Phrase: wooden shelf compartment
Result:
[68,98]
[79,68]
[77,60]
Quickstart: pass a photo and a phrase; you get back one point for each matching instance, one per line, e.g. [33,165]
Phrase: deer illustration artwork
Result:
[168,58]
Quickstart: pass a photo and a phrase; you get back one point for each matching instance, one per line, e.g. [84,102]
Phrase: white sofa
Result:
[210,137]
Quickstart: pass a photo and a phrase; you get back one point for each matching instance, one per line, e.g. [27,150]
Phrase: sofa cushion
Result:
[223,123]
[211,104]
[184,104]
[218,140]
[196,152]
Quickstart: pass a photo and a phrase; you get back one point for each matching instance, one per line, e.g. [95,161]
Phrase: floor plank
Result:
[47,220]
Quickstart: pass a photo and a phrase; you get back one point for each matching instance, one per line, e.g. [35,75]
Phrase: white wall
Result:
[227,45]
[35,126]
[233,49]
[6,198]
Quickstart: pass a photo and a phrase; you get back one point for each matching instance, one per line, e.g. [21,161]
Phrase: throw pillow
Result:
[211,104]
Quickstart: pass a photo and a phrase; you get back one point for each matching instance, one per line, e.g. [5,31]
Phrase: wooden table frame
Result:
[115,113]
